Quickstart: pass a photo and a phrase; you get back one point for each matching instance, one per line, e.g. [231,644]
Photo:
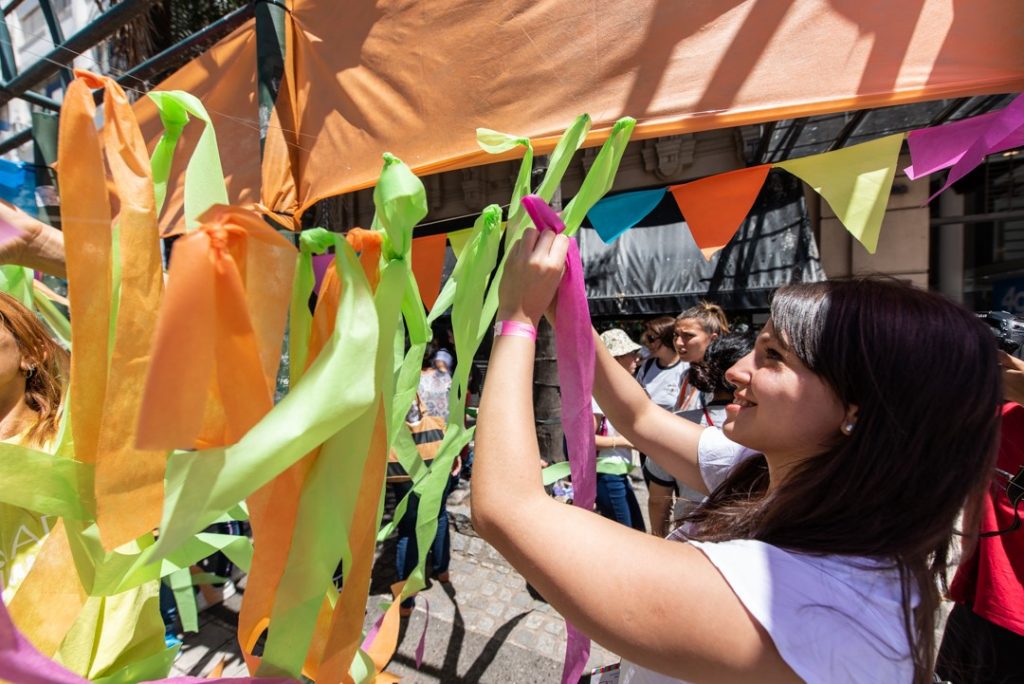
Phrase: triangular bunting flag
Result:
[613,216]
[855,182]
[428,264]
[1001,133]
[714,207]
[459,239]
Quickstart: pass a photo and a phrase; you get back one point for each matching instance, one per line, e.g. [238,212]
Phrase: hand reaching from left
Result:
[27,241]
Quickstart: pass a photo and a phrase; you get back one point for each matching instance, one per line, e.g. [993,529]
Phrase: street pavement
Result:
[486,625]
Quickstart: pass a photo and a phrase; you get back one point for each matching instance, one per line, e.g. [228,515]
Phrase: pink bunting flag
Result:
[321,262]
[965,144]
[574,344]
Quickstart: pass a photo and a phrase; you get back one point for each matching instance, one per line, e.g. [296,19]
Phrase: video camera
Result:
[1008,329]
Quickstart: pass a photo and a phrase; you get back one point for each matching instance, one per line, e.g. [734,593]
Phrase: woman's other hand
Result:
[532,273]
[1013,377]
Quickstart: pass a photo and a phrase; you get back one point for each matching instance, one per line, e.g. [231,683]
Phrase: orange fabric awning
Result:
[417,78]
[224,78]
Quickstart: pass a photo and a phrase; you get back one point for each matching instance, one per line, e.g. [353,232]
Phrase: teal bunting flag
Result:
[613,216]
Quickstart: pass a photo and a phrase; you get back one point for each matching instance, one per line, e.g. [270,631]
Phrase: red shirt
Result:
[992,579]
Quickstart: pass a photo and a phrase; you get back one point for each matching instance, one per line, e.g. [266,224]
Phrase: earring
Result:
[30,372]
[847,429]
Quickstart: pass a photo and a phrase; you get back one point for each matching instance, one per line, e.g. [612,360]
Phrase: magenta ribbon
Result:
[964,144]
[21,663]
[574,343]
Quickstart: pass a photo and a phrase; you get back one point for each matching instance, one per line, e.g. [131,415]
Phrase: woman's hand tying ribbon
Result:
[533,272]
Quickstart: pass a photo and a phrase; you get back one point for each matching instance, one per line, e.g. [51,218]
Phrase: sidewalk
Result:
[485,626]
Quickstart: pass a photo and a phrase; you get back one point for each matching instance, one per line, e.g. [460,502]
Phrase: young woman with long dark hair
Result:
[866,414]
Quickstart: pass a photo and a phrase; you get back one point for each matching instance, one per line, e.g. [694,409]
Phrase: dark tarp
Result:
[657,269]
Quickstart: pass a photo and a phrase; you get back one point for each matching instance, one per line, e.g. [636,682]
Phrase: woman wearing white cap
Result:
[615,497]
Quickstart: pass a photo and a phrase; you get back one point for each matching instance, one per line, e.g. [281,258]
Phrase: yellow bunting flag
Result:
[459,239]
[855,181]
[714,207]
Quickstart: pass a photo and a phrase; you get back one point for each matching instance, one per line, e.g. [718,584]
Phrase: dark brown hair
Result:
[923,373]
[661,329]
[44,384]
[708,374]
[710,316]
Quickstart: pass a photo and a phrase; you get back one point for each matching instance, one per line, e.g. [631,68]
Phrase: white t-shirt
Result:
[833,619]
[623,453]
[662,384]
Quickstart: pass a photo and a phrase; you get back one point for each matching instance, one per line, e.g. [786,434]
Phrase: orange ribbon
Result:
[273,509]
[219,333]
[107,368]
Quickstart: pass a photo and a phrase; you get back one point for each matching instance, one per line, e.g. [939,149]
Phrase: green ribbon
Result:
[606,465]
[300,322]
[327,504]
[601,175]
[42,483]
[204,176]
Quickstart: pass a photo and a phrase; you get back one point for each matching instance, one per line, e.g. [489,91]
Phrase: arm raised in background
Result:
[32,243]
[698,630]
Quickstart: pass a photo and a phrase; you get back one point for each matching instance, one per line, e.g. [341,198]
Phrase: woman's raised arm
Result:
[698,630]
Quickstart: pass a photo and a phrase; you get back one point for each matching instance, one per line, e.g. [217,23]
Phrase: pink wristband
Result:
[516,329]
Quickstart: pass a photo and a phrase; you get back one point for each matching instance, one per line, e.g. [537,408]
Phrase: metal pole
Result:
[56,35]
[270,53]
[7,63]
[98,30]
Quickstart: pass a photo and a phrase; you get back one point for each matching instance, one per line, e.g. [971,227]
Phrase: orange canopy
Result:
[416,78]
[224,79]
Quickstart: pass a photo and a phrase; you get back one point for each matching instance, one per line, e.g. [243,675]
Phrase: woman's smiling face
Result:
[781,408]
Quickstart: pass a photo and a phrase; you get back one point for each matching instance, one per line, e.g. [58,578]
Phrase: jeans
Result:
[406,551]
[616,500]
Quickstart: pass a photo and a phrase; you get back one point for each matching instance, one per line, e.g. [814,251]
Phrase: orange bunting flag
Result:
[219,334]
[714,207]
[428,265]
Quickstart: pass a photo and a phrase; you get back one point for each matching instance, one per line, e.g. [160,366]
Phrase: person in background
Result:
[426,418]
[615,497]
[708,377]
[984,636]
[861,423]
[694,330]
[661,376]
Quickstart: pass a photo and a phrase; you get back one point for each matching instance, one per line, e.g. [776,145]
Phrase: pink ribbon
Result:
[574,344]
